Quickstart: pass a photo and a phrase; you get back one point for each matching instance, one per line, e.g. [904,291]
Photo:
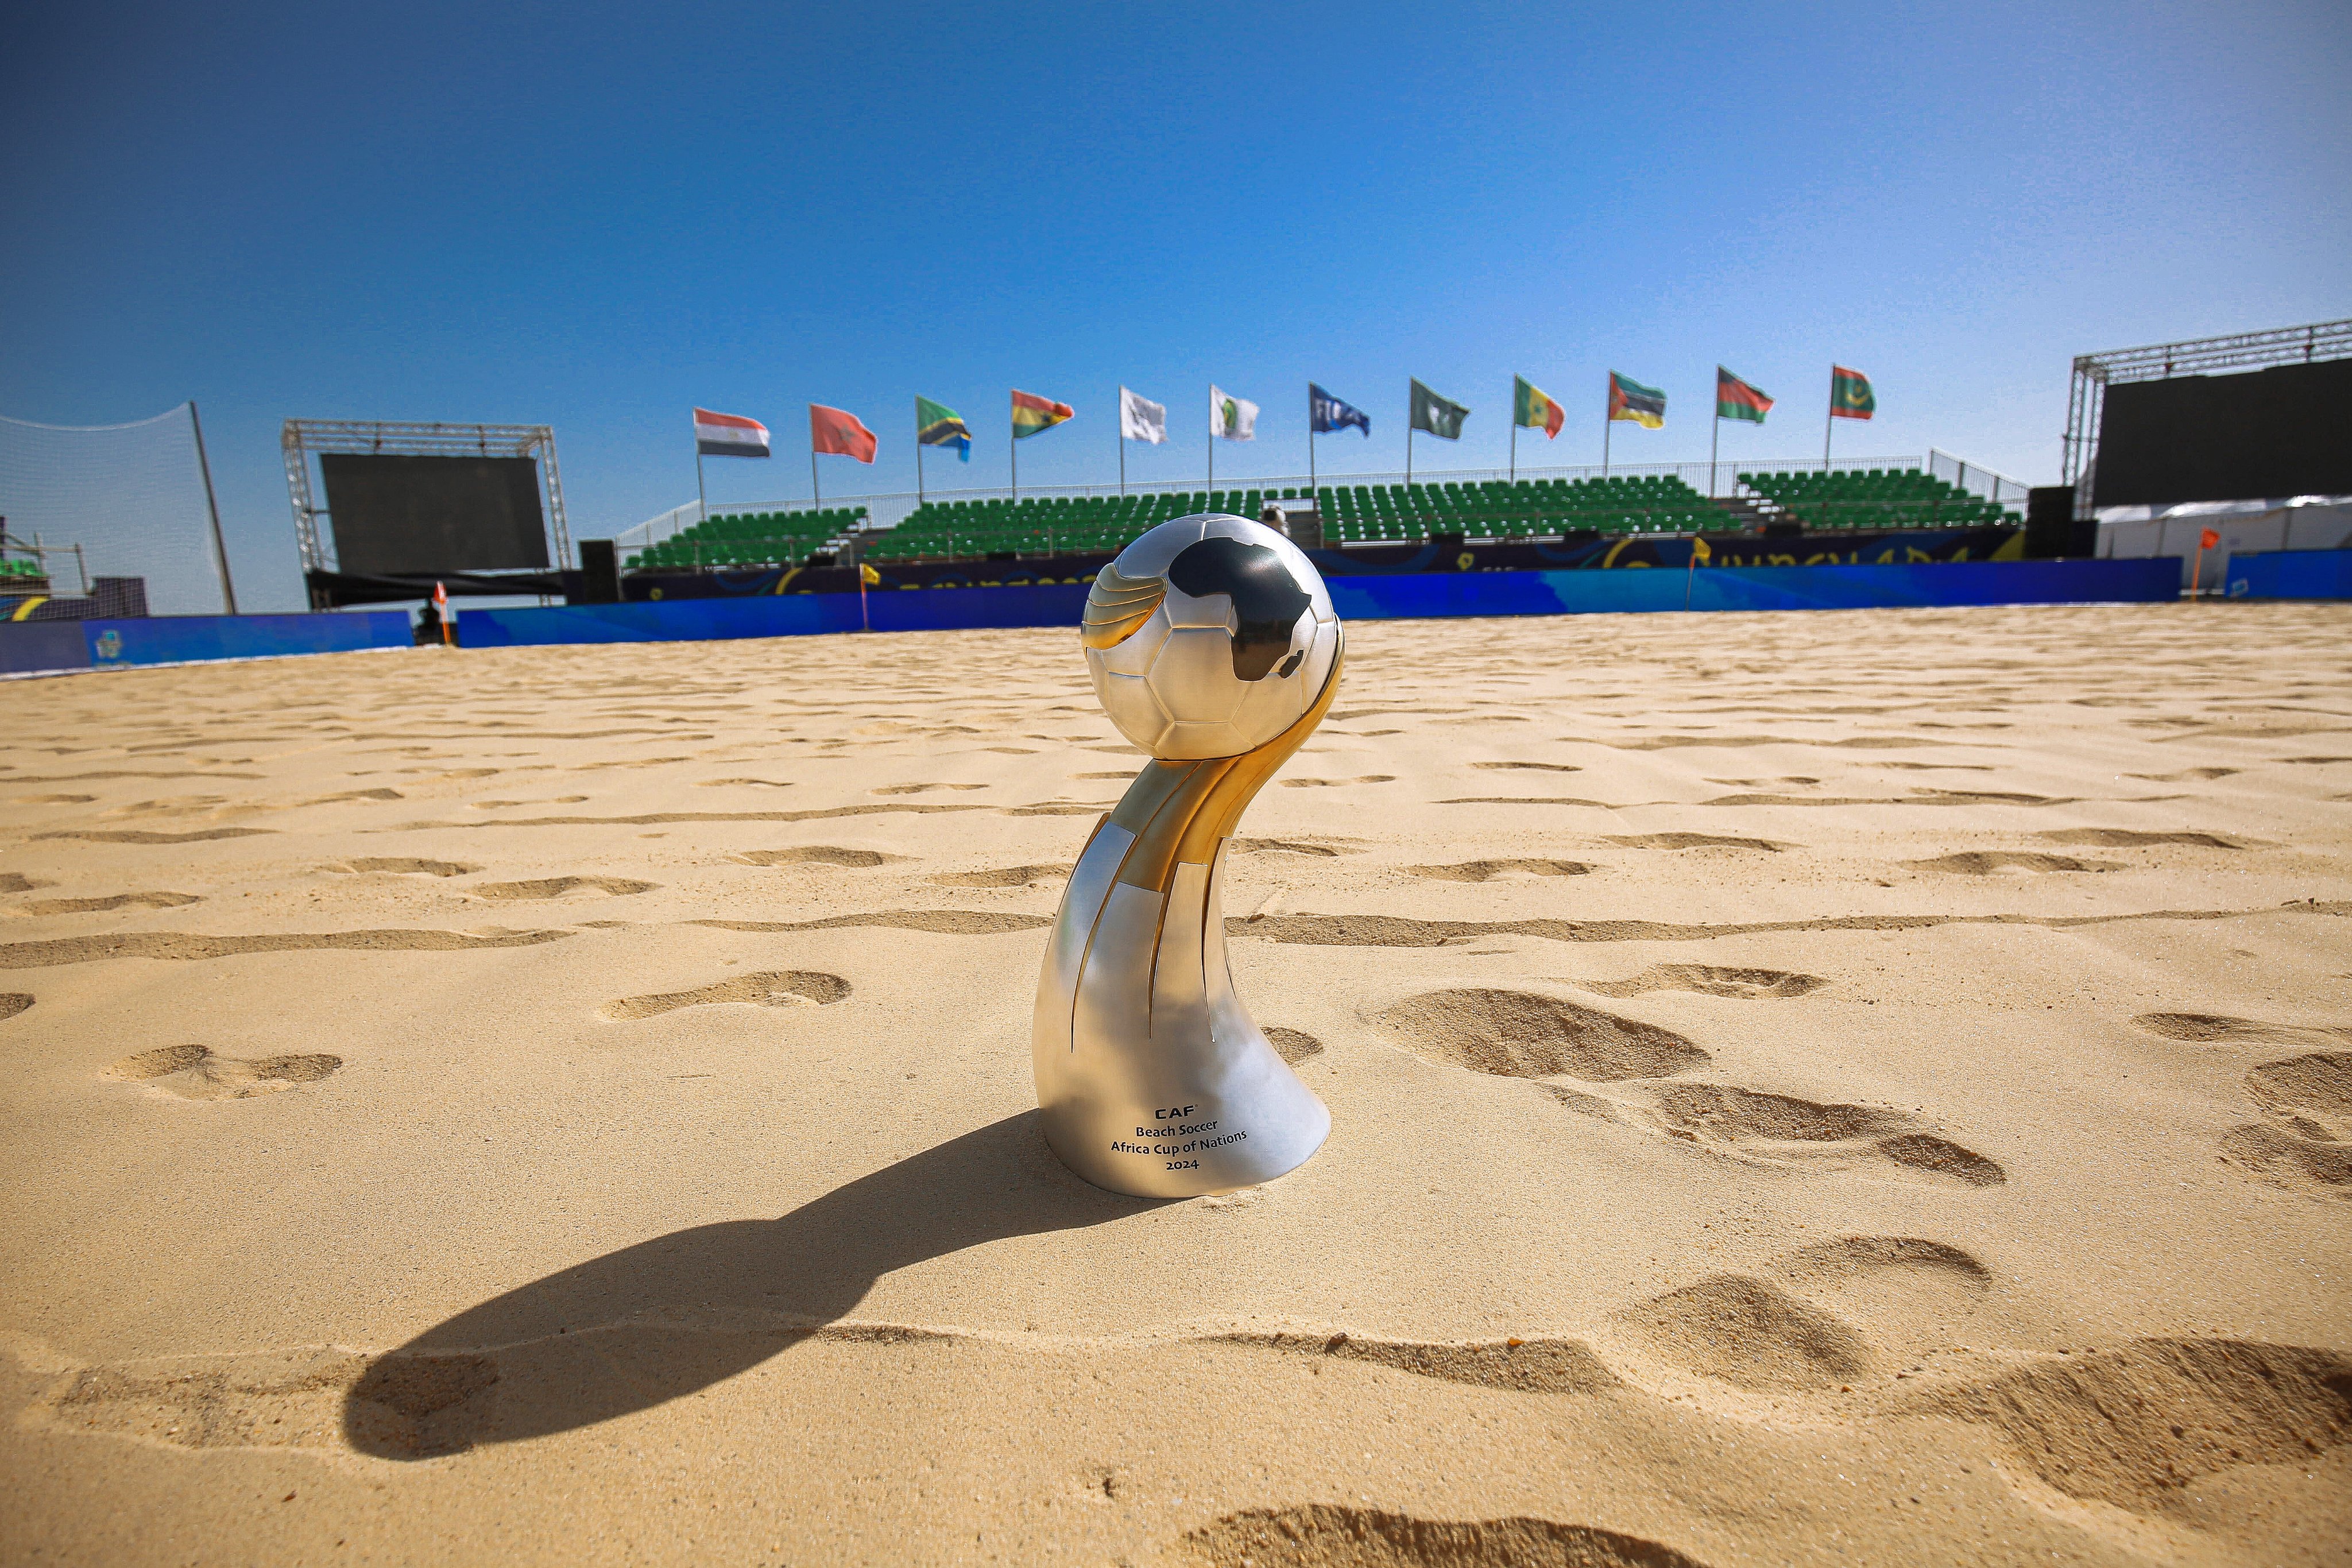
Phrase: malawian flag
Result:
[937,425]
[1032,413]
[1441,417]
[839,432]
[1531,409]
[1735,399]
[729,435]
[1645,406]
[1849,394]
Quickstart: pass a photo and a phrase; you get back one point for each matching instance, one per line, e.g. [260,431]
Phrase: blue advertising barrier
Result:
[2292,574]
[42,647]
[184,639]
[1413,595]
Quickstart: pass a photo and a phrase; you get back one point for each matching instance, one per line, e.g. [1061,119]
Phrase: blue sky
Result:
[596,218]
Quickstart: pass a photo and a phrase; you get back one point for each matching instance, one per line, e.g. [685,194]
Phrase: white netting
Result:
[131,495]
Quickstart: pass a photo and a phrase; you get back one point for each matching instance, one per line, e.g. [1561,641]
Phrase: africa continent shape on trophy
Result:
[1214,646]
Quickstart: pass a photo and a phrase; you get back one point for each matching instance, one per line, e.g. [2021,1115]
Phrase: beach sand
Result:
[1866,1087]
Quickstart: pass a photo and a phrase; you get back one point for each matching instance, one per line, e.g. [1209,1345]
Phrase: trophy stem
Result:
[1152,1078]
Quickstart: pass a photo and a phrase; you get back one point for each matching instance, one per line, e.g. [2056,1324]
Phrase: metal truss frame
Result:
[2093,374]
[303,438]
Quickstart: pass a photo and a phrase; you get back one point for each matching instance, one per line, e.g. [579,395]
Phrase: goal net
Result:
[131,495]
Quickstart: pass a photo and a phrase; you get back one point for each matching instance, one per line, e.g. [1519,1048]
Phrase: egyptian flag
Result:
[1735,399]
[729,435]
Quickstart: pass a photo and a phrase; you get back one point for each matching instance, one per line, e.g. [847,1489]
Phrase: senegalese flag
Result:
[1849,394]
[1735,399]
[1032,413]
[937,425]
[1532,410]
[1645,406]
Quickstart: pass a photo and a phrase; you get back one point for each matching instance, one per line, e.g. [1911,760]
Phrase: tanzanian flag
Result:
[937,425]
[1849,394]
[1032,413]
[1532,410]
[1735,399]
[1645,406]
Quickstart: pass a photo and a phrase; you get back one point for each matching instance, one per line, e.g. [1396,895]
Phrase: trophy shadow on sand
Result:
[675,1314]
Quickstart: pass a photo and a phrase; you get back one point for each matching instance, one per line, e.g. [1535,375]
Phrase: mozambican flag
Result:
[1645,406]
[1532,409]
[729,435]
[1735,399]
[1849,394]
[1032,413]
[937,425]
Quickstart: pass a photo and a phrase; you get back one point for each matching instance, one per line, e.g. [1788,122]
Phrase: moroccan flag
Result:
[1441,417]
[1531,409]
[838,430]
[1032,413]
[937,425]
[1849,394]
[1645,406]
[1735,399]
[729,435]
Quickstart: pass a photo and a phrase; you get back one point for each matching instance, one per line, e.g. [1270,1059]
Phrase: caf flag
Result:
[1849,394]
[1325,414]
[1735,399]
[1140,419]
[1231,418]
[1436,415]
[839,432]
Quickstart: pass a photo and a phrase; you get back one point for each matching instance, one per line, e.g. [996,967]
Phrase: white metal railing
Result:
[889,511]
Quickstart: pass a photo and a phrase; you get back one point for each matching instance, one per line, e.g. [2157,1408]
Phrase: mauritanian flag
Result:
[1032,413]
[1645,406]
[1849,394]
[1735,399]
[1531,409]
[729,435]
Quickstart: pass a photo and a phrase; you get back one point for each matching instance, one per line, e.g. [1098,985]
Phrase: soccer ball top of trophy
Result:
[1214,646]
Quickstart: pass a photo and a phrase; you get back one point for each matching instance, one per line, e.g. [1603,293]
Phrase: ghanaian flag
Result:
[1531,409]
[1032,413]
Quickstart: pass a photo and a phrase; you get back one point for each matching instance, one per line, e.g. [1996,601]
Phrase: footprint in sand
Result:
[194,1072]
[2125,839]
[920,789]
[17,882]
[772,988]
[1336,1535]
[1783,1129]
[816,855]
[1293,1046]
[557,886]
[1316,848]
[1694,842]
[1827,1316]
[2306,1146]
[1987,863]
[1487,871]
[116,901]
[1520,1034]
[1532,767]
[1333,783]
[406,865]
[1003,876]
[1708,981]
[2215,1029]
[12,1003]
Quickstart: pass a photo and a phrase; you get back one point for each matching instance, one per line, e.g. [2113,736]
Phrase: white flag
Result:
[1140,419]
[1233,418]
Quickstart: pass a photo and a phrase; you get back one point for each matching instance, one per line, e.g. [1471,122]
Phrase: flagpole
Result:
[1311,437]
[918,452]
[1515,446]
[1012,447]
[701,502]
[1829,422]
[816,495]
[1121,432]
[1714,439]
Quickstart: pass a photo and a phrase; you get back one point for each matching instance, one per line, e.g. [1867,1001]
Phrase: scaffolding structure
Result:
[304,438]
[2093,374]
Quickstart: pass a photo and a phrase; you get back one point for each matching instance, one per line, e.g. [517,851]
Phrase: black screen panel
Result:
[2286,430]
[433,514]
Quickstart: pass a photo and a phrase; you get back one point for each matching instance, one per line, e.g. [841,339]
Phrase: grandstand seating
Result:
[1880,499]
[752,538]
[1357,513]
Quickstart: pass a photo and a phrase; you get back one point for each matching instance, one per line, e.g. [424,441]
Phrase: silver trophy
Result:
[1214,646]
